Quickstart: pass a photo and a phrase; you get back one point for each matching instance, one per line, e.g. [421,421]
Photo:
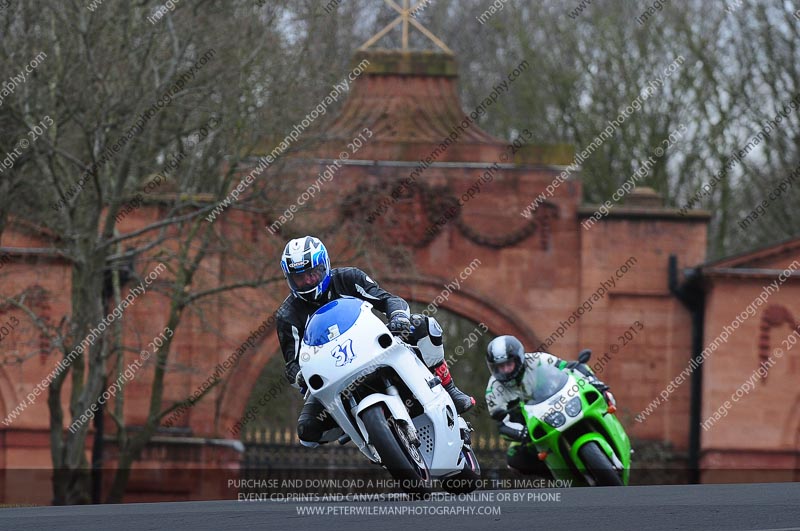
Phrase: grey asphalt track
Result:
[773,507]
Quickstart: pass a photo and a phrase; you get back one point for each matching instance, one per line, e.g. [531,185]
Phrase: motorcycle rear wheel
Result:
[599,465]
[398,455]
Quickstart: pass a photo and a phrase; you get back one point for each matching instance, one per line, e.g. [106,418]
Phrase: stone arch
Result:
[464,302]
[236,392]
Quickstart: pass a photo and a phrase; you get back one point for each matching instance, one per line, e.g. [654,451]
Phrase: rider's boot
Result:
[462,400]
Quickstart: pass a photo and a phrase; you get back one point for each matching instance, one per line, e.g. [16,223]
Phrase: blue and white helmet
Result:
[307,268]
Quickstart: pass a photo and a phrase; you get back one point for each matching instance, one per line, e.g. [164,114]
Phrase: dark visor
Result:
[308,279]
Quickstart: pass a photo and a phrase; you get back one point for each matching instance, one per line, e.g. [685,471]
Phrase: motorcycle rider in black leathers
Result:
[513,379]
[306,266]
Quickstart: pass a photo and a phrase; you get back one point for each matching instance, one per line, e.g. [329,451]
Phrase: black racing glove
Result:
[516,434]
[400,325]
[295,376]
[597,382]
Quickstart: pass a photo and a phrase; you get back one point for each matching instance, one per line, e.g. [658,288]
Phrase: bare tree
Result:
[739,66]
[118,96]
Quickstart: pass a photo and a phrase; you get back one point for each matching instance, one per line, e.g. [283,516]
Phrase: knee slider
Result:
[432,354]
[435,331]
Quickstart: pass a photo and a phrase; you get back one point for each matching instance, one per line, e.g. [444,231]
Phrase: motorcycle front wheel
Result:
[599,465]
[398,454]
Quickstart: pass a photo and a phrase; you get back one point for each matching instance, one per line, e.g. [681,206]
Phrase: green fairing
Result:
[596,425]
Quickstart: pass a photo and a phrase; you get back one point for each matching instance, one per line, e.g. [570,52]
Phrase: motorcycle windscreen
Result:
[547,381]
[332,320]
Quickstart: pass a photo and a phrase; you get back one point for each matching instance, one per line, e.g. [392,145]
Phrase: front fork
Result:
[407,427]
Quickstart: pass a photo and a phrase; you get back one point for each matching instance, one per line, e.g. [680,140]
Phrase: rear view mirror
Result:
[584,355]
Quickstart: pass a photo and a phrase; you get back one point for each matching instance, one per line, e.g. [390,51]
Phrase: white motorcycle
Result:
[385,399]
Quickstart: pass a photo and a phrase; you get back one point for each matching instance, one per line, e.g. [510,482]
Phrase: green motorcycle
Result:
[574,428]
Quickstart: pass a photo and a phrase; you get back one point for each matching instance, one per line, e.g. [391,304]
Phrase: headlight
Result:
[573,407]
[555,419]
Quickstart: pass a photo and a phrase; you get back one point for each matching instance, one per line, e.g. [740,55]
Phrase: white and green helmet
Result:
[505,357]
